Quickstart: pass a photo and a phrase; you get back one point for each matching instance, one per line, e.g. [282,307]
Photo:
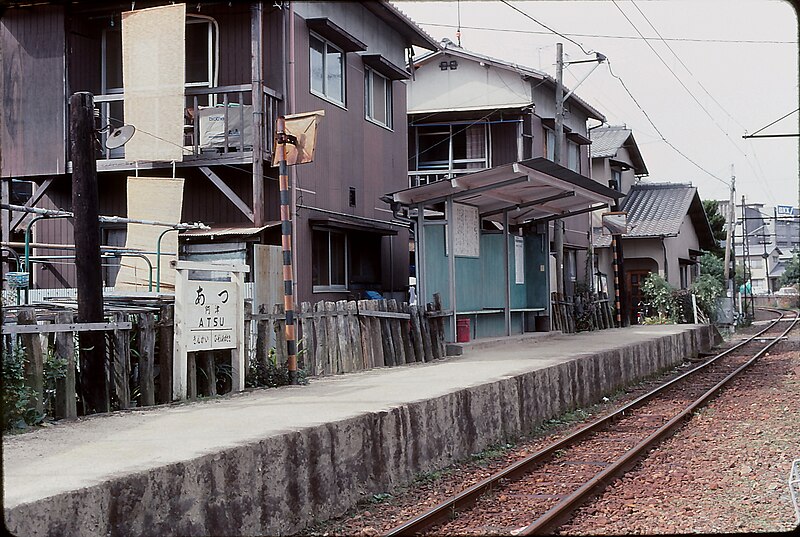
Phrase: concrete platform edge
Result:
[283,483]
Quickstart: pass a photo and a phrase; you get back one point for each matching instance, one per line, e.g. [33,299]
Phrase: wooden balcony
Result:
[218,128]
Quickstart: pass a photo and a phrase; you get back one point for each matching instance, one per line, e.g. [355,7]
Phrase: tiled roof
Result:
[606,141]
[659,209]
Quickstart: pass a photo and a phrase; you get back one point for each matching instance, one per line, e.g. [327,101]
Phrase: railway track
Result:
[538,493]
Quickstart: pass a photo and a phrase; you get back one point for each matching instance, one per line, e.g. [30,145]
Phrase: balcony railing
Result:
[218,123]
[424,177]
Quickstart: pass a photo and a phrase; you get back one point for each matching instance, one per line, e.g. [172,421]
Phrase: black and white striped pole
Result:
[286,246]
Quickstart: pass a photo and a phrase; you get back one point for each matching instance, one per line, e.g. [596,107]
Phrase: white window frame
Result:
[574,151]
[369,103]
[449,131]
[324,94]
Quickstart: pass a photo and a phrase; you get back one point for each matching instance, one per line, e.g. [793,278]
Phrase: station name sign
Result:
[211,315]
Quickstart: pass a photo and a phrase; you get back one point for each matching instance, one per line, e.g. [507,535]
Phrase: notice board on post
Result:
[466,236]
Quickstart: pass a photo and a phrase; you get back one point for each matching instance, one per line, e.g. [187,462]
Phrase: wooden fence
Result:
[346,336]
[337,337]
[138,354]
[581,312]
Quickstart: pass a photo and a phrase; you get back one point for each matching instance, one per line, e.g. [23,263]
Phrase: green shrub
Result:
[707,288]
[268,374]
[17,397]
[659,296]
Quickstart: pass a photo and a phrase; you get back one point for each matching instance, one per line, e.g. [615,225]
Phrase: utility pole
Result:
[747,269]
[558,225]
[731,217]
[89,281]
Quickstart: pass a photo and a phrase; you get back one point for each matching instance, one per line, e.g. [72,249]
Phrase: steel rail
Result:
[558,514]
[470,495]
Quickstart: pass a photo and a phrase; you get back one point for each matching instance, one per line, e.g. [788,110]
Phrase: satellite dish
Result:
[119,137]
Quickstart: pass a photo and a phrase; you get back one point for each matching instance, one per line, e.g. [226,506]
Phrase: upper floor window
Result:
[202,55]
[378,97]
[452,147]
[574,157]
[327,70]
[550,145]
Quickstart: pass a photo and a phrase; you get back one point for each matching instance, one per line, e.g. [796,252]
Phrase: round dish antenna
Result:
[120,136]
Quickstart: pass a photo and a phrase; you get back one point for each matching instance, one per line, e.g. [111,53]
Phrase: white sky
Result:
[741,86]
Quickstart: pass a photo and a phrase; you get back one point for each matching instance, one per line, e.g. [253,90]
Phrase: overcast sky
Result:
[737,60]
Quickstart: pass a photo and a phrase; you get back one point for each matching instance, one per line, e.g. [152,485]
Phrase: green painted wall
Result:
[481,281]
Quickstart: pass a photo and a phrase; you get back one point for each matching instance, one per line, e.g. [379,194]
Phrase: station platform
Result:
[273,461]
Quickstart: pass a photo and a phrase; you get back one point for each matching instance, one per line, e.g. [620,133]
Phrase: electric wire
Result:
[683,64]
[652,124]
[606,36]
[672,72]
[777,120]
[588,53]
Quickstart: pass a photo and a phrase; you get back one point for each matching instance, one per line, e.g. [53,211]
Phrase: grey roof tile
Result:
[606,141]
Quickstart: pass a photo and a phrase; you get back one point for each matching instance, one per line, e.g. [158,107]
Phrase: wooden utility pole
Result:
[730,217]
[89,280]
[558,225]
[257,79]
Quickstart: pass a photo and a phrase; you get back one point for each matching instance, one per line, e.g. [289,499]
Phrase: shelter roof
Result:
[529,190]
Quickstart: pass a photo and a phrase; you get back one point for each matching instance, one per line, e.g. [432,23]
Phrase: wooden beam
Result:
[71,327]
[34,199]
[229,193]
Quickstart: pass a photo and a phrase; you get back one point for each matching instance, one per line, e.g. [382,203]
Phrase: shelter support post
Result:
[451,262]
[506,273]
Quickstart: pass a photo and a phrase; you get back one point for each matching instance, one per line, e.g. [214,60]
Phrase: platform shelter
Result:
[495,222]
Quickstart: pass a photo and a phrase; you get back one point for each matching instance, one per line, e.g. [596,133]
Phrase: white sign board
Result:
[466,230]
[211,315]
[519,260]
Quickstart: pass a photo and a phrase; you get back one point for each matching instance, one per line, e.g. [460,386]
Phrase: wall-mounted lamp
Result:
[443,66]
[453,65]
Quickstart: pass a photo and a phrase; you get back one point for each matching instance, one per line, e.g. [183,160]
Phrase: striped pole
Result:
[286,246]
[617,301]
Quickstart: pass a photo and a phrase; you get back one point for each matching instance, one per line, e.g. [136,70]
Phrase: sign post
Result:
[209,315]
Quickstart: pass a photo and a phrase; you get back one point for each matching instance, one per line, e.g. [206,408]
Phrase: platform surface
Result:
[72,455]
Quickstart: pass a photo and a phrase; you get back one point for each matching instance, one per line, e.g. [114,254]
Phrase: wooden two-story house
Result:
[239,65]
[469,112]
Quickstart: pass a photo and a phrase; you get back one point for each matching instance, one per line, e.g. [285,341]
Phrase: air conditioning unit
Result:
[212,127]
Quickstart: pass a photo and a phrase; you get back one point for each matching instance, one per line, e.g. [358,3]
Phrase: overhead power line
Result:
[606,36]
[663,138]
[543,25]
[684,65]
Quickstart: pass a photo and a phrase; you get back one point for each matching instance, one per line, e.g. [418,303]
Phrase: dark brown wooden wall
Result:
[350,152]
[504,143]
[32,115]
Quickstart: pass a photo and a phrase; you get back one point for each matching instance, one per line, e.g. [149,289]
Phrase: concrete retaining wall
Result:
[283,483]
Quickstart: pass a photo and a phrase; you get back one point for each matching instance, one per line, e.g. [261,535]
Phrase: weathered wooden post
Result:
[34,360]
[147,349]
[66,404]
[88,267]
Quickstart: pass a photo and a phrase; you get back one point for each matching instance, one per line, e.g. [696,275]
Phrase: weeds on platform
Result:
[269,374]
